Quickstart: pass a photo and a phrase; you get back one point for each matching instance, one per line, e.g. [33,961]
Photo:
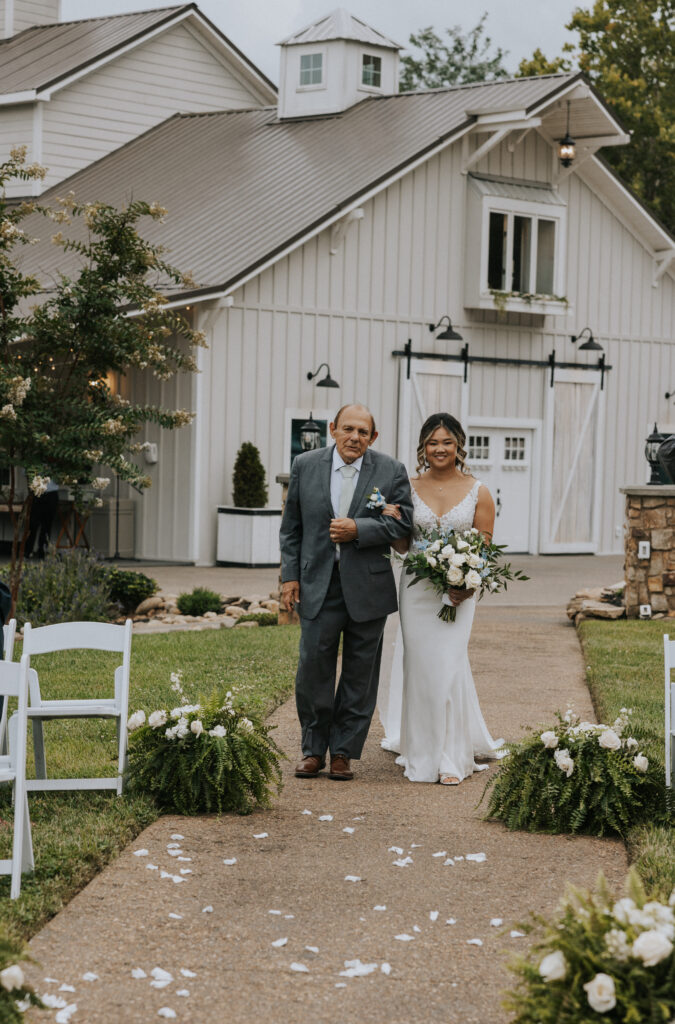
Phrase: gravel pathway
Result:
[380,904]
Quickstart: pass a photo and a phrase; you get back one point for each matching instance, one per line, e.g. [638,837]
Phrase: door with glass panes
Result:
[501,458]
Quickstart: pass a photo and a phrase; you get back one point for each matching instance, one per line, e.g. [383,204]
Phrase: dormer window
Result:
[521,253]
[311,69]
[371,71]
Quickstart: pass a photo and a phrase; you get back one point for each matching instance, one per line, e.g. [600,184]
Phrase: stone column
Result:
[650,517]
[287,618]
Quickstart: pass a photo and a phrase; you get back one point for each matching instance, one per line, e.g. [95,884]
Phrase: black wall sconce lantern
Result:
[652,445]
[449,334]
[567,149]
[310,435]
[590,345]
[325,382]
[669,394]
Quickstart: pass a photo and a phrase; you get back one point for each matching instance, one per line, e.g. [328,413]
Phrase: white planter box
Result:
[248,537]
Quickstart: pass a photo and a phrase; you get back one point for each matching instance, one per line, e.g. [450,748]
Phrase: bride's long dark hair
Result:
[453,426]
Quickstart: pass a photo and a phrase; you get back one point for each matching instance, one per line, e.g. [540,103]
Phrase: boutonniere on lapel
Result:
[376,499]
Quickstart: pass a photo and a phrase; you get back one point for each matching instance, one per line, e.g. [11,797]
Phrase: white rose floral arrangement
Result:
[602,960]
[578,777]
[458,559]
[16,995]
[202,758]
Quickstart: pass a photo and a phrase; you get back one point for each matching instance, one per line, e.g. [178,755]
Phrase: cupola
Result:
[16,15]
[334,63]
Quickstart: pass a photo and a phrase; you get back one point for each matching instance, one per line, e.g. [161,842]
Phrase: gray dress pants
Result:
[337,719]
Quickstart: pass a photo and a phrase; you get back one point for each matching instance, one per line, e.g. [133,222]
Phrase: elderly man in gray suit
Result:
[334,564]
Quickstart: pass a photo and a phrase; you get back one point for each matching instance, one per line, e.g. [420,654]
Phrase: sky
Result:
[256,25]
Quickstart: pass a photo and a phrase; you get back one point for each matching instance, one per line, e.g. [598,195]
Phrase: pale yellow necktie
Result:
[348,474]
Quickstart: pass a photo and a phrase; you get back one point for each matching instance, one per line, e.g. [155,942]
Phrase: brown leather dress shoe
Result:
[309,767]
[339,769]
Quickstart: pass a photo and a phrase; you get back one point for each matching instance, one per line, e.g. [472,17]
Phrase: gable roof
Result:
[263,186]
[339,24]
[42,57]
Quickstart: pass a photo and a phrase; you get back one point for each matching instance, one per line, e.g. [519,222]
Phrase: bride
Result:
[431,713]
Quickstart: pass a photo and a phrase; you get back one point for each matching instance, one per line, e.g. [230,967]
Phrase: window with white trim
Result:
[514,448]
[371,71]
[311,69]
[521,253]
[479,447]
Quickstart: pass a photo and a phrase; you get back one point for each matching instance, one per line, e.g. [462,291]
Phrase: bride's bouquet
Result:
[458,559]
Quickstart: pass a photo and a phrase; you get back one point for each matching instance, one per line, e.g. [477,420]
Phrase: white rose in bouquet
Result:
[553,967]
[475,561]
[641,762]
[632,743]
[622,908]
[197,727]
[458,558]
[218,730]
[652,947]
[136,720]
[157,719]
[12,977]
[448,551]
[454,575]
[473,579]
[182,728]
[609,740]
[601,993]
[436,546]
[549,739]
[564,761]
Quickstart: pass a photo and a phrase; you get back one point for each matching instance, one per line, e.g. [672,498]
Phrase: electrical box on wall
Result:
[644,549]
[151,453]
[645,611]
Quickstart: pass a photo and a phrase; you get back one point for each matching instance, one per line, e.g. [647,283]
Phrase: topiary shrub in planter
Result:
[203,758]
[201,600]
[248,478]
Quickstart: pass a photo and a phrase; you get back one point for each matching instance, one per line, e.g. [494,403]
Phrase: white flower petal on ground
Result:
[352,878]
[355,969]
[474,942]
[325,817]
[449,863]
[312,949]
[479,858]
[496,922]
[404,937]
[260,835]
[458,858]
[416,928]
[433,915]
[174,853]
[278,943]
[288,917]
[273,911]
[415,846]
[451,920]
[166,1011]
[22,1004]
[385,968]
[52,1001]
[172,846]
[306,811]
[152,867]
[207,910]
[89,976]
[441,853]
[176,917]
[230,860]
[402,862]
[177,835]
[300,968]
[183,992]
[141,853]
[186,871]
[187,974]
[380,906]
[396,849]
[63,1016]
[159,984]
[138,972]
[51,981]
[359,818]
[66,988]
[185,858]
[159,974]
[349,830]
[515,934]
[341,984]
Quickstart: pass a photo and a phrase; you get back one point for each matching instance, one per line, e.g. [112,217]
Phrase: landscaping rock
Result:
[235,610]
[272,605]
[244,625]
[590,593]
[149,604]
[601,610]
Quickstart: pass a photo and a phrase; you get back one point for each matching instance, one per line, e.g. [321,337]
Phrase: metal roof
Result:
[339,24]
[261,185]
[531,192]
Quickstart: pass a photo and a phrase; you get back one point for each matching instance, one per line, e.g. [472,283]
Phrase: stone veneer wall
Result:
[650,515]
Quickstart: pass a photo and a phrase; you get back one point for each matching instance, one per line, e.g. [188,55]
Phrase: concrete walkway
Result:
[266,938]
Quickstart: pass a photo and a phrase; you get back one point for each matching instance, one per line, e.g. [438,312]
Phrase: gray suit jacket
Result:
[307,552]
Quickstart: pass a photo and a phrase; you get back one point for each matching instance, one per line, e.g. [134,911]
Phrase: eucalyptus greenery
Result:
[601,960]
[203,758]
[578,777]
[13,987]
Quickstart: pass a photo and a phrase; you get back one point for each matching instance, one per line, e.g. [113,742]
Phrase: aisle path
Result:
[527,664]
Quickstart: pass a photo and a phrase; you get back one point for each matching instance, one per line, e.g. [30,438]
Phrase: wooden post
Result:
[285,618]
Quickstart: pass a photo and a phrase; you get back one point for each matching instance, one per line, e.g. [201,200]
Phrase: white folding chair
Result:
[669,663]
[8,635]
[14,683]
[64,636]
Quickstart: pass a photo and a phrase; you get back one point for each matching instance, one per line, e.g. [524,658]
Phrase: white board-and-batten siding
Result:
[171,73]
[400,268]
[24,13]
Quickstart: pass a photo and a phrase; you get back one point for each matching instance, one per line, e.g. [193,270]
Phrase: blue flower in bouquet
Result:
[376,499]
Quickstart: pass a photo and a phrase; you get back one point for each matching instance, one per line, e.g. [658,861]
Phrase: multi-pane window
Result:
[371,73]
[521,253]
[514,449]
[311,69]
[479,447]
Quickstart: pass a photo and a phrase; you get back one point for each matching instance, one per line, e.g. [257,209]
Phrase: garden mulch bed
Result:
[527,664]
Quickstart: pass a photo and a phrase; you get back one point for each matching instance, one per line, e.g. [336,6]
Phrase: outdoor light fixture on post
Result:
[326,382]
[567,149]
[590,345]
[310,435]
[652,445]
[449,334]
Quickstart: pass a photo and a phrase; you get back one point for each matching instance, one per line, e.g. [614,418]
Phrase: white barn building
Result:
[339,223]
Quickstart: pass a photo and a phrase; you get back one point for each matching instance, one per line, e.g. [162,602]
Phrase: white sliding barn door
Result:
[433,386]
[573,451]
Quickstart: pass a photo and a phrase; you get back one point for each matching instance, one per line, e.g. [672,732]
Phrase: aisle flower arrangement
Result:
[601,960]
[16,995]
[202,758]
[578,777]
[458,559]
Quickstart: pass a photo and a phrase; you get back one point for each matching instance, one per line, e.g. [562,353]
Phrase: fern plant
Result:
[578,777]
[203,758]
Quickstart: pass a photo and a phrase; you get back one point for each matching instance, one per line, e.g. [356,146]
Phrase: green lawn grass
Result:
[76,834]
[624,668]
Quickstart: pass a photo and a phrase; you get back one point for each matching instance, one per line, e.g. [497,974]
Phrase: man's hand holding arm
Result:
[290,539]
[372,530]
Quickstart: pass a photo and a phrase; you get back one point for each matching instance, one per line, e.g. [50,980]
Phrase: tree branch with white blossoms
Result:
[64,364]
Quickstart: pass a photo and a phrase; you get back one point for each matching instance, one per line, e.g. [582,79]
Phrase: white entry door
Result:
[502,459]
[432,385]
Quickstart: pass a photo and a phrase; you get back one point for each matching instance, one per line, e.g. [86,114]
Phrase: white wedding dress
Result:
[430,710]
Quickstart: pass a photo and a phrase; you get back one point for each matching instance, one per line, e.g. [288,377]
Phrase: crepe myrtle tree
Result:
[59,415]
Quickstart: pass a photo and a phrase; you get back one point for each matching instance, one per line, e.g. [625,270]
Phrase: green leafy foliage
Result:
[567,779]
[66,586]
[13,986]
[464,58]
[248,478]
[587,967]
[262,618]
[128,588]
[198,602]
[203,758]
